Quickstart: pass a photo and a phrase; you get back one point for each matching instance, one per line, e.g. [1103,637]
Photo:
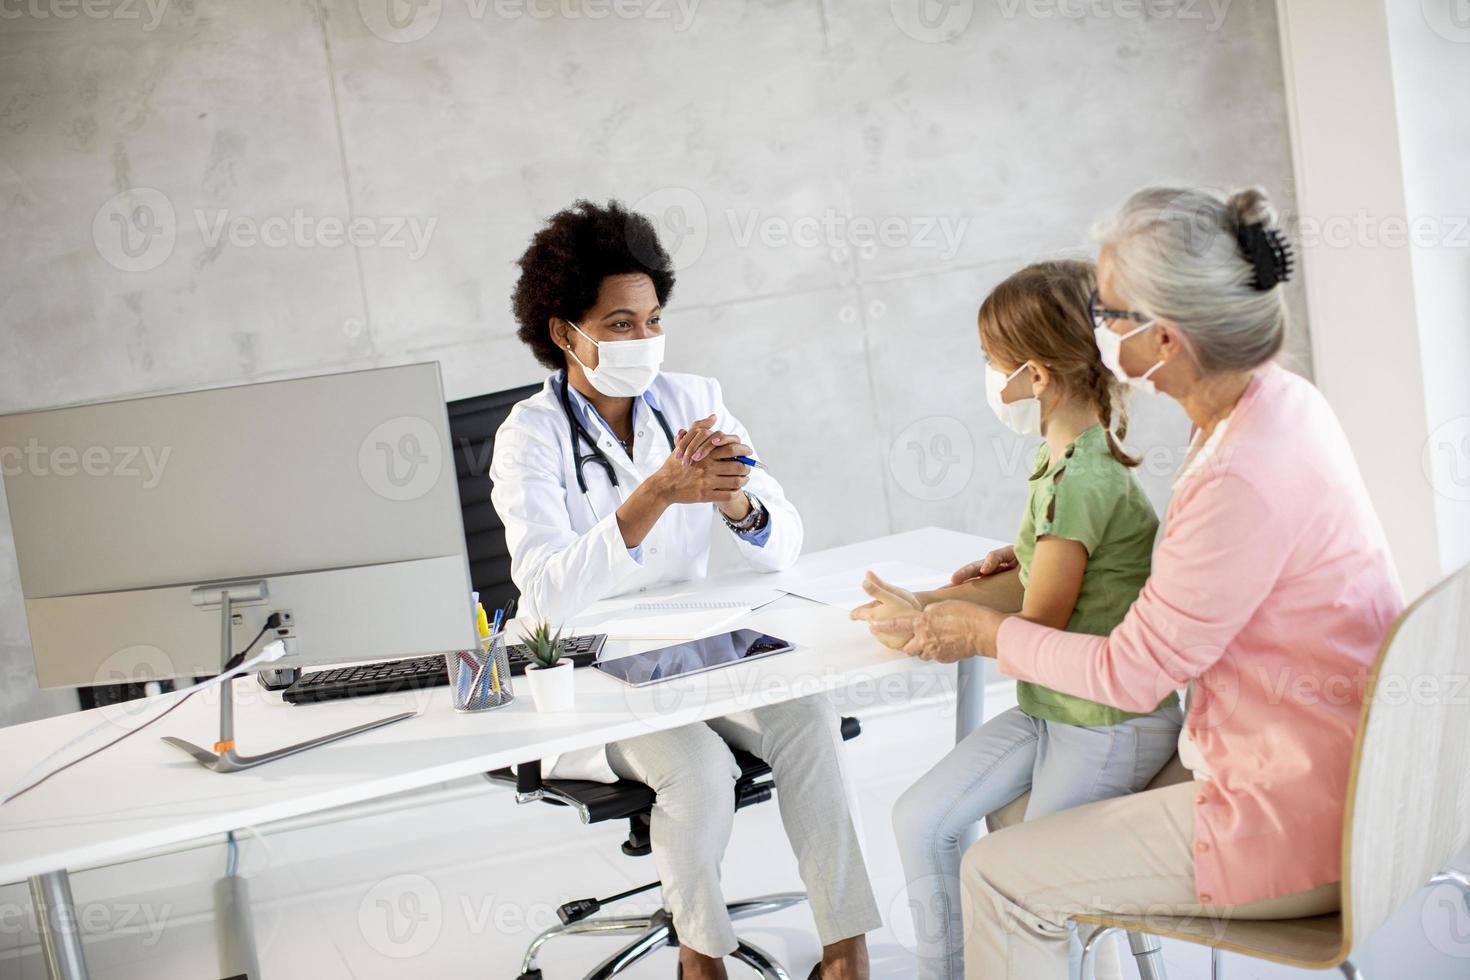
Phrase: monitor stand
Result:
[224,758]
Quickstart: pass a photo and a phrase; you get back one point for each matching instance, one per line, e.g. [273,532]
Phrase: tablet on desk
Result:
[693,657]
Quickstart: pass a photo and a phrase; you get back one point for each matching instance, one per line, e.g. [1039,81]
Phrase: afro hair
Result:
[563,268]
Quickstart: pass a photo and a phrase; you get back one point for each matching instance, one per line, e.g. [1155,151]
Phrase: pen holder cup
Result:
[480,679]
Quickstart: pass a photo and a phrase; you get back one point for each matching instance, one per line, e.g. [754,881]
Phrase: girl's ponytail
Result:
[1107,398]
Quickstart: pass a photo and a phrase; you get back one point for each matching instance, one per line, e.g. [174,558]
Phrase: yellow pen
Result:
[482,623]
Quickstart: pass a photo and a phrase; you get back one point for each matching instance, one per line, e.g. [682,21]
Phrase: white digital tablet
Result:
[693,657]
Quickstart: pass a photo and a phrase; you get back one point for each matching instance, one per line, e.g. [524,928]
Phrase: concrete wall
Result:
[842,182]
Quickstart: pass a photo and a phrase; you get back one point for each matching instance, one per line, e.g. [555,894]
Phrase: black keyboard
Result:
[415,673]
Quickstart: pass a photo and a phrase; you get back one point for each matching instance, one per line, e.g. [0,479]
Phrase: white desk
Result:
[142,794]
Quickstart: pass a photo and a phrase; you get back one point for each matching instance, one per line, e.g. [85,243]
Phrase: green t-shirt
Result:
[1089,497]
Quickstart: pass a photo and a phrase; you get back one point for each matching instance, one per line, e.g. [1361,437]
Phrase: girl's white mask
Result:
[1022,416]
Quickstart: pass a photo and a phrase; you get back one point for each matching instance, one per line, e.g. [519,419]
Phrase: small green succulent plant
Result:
[544,647]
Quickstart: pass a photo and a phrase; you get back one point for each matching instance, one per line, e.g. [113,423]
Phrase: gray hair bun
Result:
[1207,263]
[1260,240]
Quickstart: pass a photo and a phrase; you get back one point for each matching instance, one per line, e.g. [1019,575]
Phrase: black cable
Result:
[61,769]
[629,893]
[234,662]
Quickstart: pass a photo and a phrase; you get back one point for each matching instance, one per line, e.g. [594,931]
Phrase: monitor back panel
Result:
[276,479]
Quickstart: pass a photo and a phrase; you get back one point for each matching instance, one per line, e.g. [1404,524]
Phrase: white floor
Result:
[454,884]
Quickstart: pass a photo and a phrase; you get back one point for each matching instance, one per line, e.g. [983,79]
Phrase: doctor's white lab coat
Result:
[565,547]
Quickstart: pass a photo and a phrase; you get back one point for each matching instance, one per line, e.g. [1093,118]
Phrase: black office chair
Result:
[633,801]
[473,423]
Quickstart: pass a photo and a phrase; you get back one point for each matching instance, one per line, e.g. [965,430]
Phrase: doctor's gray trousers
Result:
[693,772]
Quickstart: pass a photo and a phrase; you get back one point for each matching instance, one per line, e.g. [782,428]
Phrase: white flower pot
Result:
[553,688]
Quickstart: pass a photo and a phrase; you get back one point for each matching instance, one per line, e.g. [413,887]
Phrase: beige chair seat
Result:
[1315,943]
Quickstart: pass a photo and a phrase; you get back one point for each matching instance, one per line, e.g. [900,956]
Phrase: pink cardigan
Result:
[1271,589]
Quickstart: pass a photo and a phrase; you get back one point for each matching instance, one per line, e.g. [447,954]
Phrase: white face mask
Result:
[1022,416]
[1110,346]
[625,368]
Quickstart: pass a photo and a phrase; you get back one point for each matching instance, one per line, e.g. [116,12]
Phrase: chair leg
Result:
[760,961]
[657,932]
[657,937]
[608,925]
[1350,971]
[766,903]
[1217,964]
[1459,879]
[1089,948]
[1148,953]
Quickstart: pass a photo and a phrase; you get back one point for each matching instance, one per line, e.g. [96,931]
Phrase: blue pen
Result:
[487,672]
[748,462]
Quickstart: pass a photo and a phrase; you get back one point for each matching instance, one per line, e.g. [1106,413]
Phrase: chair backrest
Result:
[1409,793]
[473,423]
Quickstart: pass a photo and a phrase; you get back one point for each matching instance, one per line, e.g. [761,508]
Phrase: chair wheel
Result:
[532,975]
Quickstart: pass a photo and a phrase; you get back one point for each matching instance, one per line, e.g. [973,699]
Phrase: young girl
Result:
[1081,555]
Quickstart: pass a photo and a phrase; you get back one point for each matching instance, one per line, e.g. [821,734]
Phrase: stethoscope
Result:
[580,434]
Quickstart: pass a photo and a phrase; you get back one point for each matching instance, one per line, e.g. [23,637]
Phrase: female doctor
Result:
[611,480]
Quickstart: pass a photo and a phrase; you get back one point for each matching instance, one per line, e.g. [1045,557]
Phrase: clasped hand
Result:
[700,470]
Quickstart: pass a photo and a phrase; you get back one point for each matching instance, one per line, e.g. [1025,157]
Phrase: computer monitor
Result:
[335,494]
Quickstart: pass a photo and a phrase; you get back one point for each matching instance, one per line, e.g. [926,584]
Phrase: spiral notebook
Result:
[688,624]
[751,599]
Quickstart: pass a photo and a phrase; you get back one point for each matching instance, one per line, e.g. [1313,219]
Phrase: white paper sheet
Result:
[845,588]
[637,624]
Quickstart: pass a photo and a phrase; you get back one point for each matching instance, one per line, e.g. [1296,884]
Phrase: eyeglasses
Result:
[1103,315]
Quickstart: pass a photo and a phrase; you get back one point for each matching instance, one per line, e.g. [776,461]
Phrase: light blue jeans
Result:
[1062,765]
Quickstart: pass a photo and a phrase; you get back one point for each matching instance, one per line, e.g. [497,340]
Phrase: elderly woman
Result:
[1270,593]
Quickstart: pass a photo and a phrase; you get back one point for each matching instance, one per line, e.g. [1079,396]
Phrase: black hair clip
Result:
[1269,252]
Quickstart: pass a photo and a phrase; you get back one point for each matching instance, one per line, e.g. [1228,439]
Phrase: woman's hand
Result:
[716,479]
[945,631]
[694,443]
[952,630]
[713,479]
[999,560]
[701,443]
[889,602]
